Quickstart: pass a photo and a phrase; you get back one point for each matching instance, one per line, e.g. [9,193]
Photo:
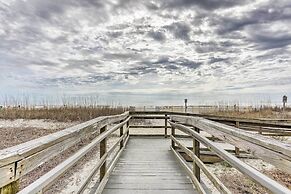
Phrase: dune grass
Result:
[64,114]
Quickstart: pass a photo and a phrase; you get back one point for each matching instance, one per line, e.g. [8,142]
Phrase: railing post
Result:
[11,188]
[166,126]
[236,148]
[127,126]
[121,134]
[196,150]
[102,152]
[173,134]
[260,130]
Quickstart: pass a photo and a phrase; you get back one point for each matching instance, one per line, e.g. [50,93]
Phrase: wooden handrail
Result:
[247,170]
[56,172]
[216,182]
[268,149]
[23,150]
[101,161]
[259,122]
[18,160]
[194,179]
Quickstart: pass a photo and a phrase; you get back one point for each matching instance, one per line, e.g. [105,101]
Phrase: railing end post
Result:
[173,134]
[102,152]
[166,126]
[196,150]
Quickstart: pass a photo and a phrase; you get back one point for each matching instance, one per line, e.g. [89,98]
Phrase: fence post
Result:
[166,126]
[121,134]
[196,150]
[173,134]
[102,152]
[260,130]
[236,148]
[127,126]
[11,188]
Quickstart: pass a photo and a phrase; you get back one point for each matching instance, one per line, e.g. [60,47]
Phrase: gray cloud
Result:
[262,15]
[180,30]
[205,4]
[272,41]
[156,35]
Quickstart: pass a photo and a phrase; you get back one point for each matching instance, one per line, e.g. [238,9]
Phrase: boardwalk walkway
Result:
[148,166]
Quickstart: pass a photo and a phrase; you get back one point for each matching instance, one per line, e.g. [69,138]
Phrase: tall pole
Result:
[284,102]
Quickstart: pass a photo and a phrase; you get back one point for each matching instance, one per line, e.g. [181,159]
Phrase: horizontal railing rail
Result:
[17,161]
[254,122]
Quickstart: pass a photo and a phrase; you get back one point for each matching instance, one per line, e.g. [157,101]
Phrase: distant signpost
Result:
[185,101]
[284,102]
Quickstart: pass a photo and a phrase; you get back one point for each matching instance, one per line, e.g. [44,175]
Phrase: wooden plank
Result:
[7,174]
[150,126]
[56,172]
[268,149]
[26,149]
[247,170]
[149,117]
[145,165]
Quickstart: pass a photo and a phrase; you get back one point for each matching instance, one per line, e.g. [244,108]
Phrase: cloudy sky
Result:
[146,52]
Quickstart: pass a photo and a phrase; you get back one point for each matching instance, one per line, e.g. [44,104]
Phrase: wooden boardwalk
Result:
[147,165]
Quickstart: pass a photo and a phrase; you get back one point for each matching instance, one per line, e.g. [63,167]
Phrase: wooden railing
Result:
[270,150]
[17,161]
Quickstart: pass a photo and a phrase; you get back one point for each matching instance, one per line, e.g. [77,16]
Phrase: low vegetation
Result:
[263,112]
[64,114]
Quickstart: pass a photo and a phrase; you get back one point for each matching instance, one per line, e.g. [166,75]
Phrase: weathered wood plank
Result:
[270,150]
[147,165]
[150,126]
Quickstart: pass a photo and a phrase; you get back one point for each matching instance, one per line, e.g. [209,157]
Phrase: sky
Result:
[142,52]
